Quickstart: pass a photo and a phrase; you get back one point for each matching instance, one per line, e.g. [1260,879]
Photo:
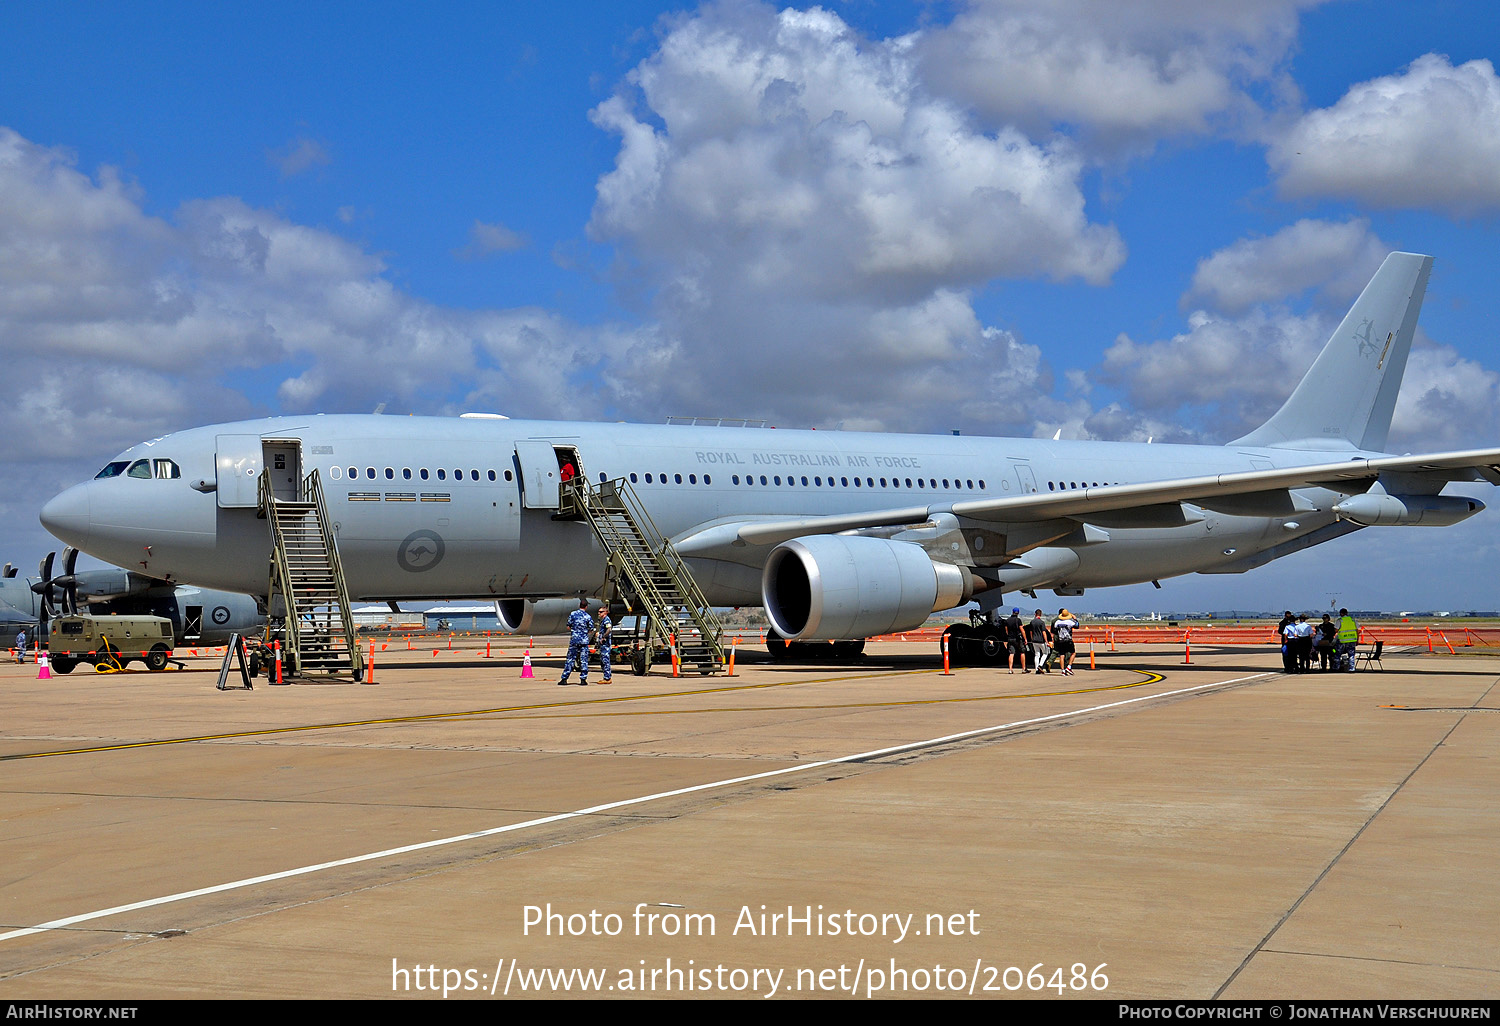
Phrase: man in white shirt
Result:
[1062,640]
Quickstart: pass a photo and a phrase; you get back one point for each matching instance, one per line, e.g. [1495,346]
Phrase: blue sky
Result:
[1010,217]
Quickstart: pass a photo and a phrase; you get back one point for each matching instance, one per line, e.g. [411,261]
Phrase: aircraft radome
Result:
[839,535]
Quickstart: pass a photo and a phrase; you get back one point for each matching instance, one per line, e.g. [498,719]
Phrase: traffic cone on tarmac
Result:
[43,668]
[526,667]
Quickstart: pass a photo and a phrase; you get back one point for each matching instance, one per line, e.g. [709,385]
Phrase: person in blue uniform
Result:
[603,640]
[579,623]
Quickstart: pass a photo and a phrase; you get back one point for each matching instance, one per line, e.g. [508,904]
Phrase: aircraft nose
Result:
[68,516]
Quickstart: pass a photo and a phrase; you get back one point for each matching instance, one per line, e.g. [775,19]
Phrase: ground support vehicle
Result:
[109,642]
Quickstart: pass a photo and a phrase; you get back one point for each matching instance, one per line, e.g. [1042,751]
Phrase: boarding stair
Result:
[646,572]
[306,573]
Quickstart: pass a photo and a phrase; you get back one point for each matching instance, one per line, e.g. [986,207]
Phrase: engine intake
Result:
[538,616]
[831,587]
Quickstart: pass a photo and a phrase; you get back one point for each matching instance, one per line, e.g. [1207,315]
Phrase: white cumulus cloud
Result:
[796,205]
[1118,72]
[1426,137]
[116,325]
[1336,258]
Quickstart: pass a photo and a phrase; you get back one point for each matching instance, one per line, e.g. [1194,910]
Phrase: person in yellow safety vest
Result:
[1348,637]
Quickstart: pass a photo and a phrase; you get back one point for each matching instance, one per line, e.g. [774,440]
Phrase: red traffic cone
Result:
[43,668]
[526,667]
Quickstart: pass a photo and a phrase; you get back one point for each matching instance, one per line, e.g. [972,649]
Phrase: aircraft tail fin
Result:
[1347,396]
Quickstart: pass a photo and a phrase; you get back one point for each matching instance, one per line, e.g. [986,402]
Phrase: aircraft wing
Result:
[1265,486]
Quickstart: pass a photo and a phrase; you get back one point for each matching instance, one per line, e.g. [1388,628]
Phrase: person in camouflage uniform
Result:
[603,639]
[579,623]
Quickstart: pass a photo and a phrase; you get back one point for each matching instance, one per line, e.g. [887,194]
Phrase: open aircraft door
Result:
[238,463]
[540,462]
[282,459]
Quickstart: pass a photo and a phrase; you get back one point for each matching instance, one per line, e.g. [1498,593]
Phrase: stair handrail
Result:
[313,489]
[616,497]
[280,573]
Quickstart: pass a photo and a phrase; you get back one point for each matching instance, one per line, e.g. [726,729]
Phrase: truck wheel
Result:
[156,659]
[64,664]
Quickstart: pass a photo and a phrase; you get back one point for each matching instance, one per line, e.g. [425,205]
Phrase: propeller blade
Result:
[10,571]
[44,589]
[44,586]
[70,588]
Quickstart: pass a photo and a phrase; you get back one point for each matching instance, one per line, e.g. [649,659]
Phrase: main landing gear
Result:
[975,644]
[783,651]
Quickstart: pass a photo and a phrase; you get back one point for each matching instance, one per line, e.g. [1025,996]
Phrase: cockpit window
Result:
[143,470]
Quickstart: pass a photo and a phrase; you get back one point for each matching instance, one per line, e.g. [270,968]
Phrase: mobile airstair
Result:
[306,574]
[648,575]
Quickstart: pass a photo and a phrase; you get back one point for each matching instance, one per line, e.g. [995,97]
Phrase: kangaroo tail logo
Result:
[420,551]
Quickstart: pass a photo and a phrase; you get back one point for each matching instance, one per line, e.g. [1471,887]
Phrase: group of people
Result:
[1332,643]
[1044,640]
[1049,644]
[582,631]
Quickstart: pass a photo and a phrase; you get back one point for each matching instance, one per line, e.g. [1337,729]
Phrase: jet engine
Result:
[829,587]
[1377,509]
[538,616]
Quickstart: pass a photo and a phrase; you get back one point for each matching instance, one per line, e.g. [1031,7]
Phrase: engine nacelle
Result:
[830,587]
[111,583]
[538,616]
[1376,509]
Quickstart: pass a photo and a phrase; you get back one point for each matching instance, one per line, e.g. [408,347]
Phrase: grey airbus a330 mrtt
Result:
[839,535]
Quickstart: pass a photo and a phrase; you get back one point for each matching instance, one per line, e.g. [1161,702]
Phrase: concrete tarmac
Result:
[1147,830]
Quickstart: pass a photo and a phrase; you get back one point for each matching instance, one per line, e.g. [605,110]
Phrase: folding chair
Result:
[1372,656]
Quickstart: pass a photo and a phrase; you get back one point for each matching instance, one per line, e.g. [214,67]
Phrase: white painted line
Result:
[802,767]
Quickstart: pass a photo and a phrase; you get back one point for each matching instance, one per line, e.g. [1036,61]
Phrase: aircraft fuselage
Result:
[428,508]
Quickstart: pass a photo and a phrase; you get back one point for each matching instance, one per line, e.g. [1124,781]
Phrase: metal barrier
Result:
[1433,636]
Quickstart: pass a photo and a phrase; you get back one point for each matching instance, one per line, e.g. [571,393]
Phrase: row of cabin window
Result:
[1062,486]
[692,479]
[422,473]
[816,482]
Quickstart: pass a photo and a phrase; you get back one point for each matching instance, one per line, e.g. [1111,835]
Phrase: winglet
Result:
[1347,396]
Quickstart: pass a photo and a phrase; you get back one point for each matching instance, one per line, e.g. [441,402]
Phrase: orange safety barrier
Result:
[1099,635]
[1255,634]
